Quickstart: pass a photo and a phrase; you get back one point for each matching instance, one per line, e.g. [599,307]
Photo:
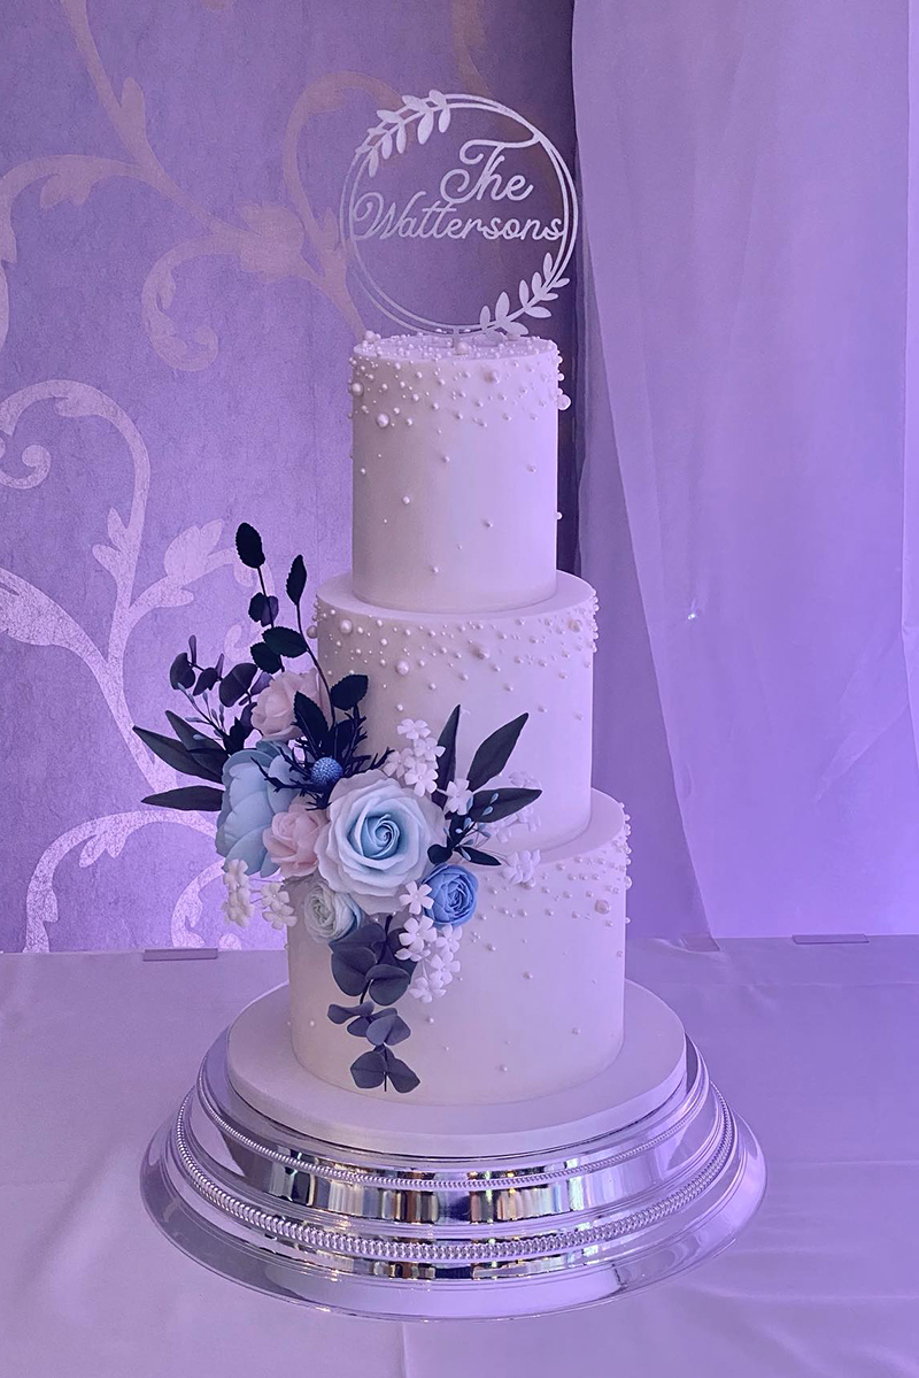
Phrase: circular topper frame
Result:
[417,120]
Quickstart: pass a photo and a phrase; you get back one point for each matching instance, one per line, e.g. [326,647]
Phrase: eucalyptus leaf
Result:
[399,1073]
[200,797]
[386,990]
[181,675]
[494,753]
[369,1070]
[358,1027]
[249,546]
[236,682]
[206,681]
[340,1014]
[438,853]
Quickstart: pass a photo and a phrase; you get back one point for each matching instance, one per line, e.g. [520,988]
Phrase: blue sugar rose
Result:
[454,892]
[250,802]
[377,839]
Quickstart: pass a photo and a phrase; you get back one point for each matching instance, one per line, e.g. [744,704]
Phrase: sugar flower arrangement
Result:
[377,854]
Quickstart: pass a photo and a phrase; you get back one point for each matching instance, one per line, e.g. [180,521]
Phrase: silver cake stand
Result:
[356,1225]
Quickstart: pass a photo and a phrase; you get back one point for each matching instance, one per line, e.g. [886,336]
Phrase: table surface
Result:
[815,1045]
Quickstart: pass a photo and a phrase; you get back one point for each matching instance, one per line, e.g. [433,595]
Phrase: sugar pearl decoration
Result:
[402,667]
[357,389]
[383,418]
[346,626]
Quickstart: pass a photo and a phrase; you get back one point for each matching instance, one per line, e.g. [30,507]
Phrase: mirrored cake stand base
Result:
[378,1207]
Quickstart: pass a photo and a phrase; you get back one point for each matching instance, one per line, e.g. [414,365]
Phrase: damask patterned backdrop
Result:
[175,321]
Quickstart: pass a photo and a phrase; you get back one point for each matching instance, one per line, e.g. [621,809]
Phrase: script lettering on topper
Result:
[483,195]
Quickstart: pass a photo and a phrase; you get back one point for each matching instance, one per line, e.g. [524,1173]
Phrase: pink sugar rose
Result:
[273,714]
[291,839]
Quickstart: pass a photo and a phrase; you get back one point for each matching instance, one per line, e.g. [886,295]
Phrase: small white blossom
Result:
[414,729]
[392,766]
[420,775]
[276,906]
[439,964]
[416,936]
[237,907]
[520,867]
[416,898]
[427,749]
[459,796]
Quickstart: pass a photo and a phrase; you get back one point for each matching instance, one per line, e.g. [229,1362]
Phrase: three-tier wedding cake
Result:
[454,598]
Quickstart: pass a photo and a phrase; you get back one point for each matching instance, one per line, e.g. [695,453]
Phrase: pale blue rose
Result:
[454,892]
[377,839]
[250,802]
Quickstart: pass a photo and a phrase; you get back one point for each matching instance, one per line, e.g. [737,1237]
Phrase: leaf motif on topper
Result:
[483,180]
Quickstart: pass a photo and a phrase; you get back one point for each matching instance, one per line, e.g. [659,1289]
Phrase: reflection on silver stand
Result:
[377,1234]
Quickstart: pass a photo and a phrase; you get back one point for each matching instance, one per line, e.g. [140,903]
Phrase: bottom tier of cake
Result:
[537,1005]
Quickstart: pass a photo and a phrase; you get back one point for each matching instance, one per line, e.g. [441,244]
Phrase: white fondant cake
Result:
[454,600]
[455,473]
[537,1004]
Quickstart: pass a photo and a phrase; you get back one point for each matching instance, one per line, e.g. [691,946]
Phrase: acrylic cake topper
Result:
[423,216]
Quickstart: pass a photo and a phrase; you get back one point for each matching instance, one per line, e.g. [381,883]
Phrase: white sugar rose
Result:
[377,839]
[291,839]
[325,914]
[273,714]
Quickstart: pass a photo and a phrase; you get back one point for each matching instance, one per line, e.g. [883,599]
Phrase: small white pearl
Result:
[383,418]
[402,667]
[406,500]
[346,626]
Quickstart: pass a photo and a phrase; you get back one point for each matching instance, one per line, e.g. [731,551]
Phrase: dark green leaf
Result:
[494,753]
[181,675]
[489,805]
[446,763]
[206,681]
[249,546]
[350,967]
[265,659]
[399,1073]
[386,1026]
[386,990]
[236,737]
[201,797]
[348,692]
[478,858]
[192,649]
[340,1014]
[384,969]
[310,719]
[358,1027]
[284,641]
[257,604]
[235,683]
[296,580]
[369,1070]
[368,934]
[189,736]
[175,755]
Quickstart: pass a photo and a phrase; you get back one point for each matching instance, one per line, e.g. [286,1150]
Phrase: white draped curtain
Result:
[749,495]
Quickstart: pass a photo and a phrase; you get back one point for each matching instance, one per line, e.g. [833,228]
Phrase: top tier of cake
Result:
[455,472]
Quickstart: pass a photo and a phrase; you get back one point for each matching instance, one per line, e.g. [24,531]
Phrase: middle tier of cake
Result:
[535,660]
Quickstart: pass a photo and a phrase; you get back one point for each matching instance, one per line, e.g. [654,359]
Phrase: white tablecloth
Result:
[816,1046]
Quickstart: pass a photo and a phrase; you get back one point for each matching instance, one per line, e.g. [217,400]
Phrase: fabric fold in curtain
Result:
[747,465]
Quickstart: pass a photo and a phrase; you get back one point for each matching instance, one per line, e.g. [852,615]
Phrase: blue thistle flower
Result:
[325,773]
